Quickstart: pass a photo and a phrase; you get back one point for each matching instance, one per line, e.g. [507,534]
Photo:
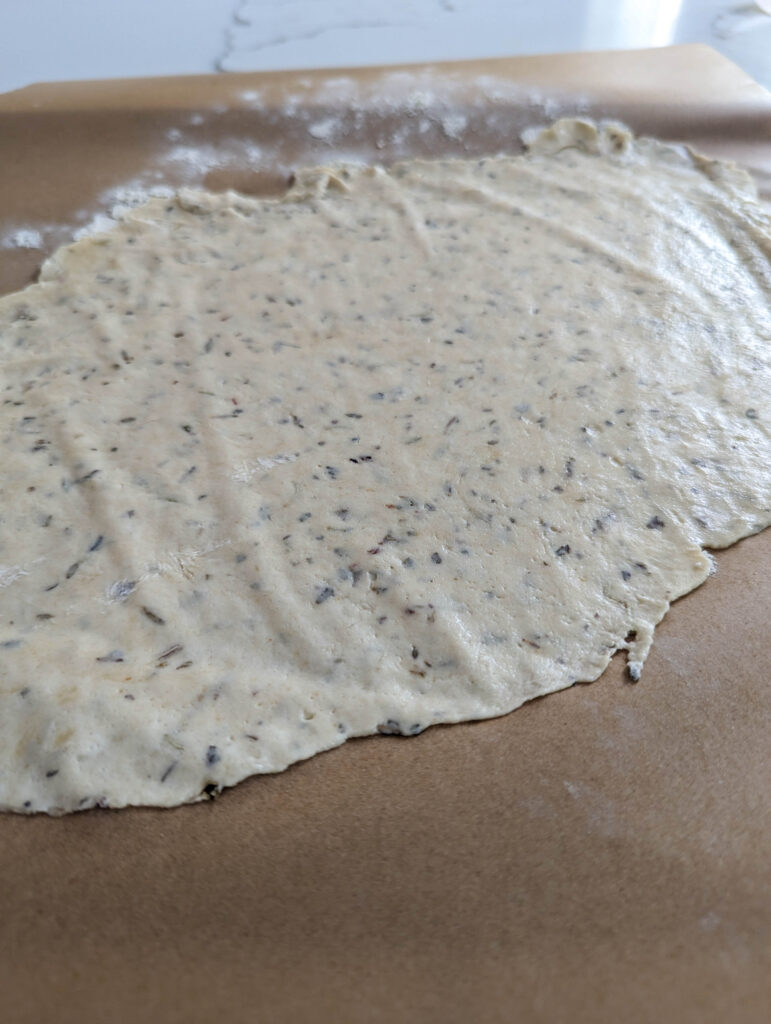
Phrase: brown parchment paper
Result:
[600,855]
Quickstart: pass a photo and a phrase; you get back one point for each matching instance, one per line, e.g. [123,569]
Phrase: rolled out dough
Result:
[405,447]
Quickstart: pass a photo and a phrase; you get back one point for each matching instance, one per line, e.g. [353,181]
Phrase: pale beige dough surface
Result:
[406,447]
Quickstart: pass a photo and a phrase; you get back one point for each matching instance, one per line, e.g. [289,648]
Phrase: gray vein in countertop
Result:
[245,34]
[228,35]
[738,19]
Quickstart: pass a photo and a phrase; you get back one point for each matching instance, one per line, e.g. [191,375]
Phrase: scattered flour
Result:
[22,238]
[246,470]
[325,130]
[403,109]
[195,158]
[116,201]
[453,125]
[251,97]
[10,573]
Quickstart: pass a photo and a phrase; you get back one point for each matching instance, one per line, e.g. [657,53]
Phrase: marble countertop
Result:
[48,40]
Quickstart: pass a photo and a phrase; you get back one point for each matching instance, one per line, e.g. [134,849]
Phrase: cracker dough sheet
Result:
[405,447]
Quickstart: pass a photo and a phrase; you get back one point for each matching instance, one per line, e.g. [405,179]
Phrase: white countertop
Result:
[52,40]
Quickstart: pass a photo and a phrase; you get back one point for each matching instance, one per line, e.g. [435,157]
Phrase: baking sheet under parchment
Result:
[601,854]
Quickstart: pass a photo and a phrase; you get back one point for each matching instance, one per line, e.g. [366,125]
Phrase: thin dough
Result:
[405,447]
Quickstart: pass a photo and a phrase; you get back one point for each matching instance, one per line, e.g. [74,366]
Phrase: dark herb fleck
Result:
[153,616]
[390,728]
[112,656]
[174,649]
